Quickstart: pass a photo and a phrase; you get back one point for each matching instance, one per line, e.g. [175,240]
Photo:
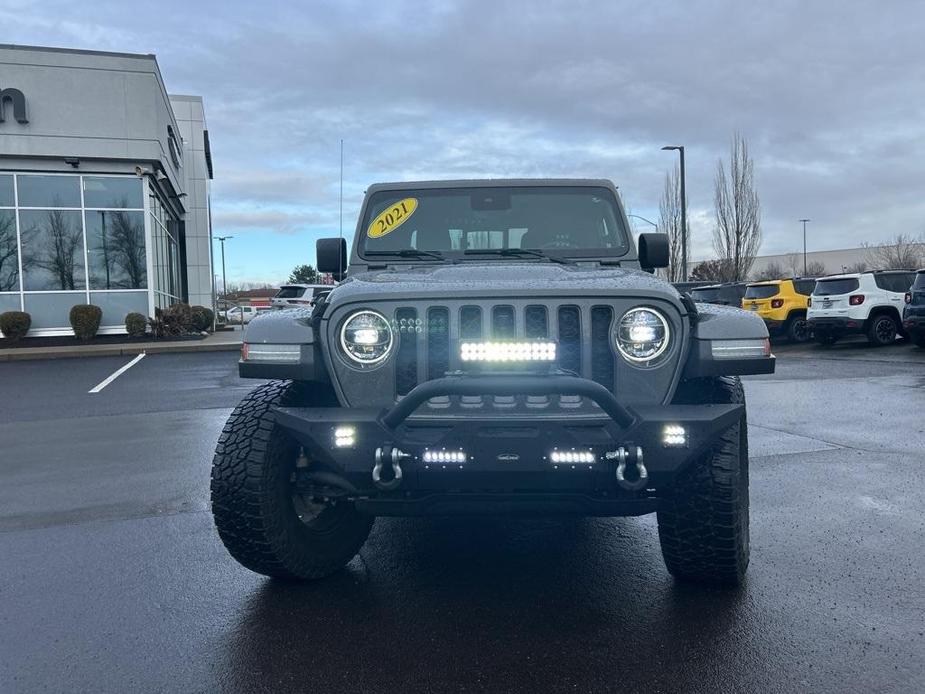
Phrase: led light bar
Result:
[740,349]
[262,352]
[525,351]
[572,457]
[443,456]
[674,436]
[345,437]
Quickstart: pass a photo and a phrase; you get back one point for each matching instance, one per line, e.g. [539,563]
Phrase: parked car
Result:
[459,371]
[914,311]
[782,304]
[295,295]
[866,303]
[726,294]
[235,313]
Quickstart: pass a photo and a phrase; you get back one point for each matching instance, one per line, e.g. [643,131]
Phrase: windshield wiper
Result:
[408,253]
[515,252]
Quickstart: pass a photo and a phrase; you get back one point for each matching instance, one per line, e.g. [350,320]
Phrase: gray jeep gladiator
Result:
[494,347]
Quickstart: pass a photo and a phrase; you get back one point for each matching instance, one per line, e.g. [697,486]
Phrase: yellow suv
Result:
[782,304]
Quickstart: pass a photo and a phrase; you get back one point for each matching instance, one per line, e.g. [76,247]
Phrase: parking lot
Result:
[112,578]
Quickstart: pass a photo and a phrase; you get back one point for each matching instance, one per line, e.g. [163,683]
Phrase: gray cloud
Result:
[829,96]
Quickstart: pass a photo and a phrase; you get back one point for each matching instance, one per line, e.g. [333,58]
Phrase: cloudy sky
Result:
[830,95]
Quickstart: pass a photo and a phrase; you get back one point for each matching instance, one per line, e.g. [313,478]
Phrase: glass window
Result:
[761,291]
[804,286]
[895,281]
[290,292]
[49,191]
[833,287]
[116,305]
[919,281]
[9,302]
[52,250]
[113,192]
[572,221]
[116,250]
[52,310]
[706,294]
[6,191]
[9,253]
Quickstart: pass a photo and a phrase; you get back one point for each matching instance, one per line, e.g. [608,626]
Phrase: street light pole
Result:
[647,221]
[222,240]
[680,149]
[804,244]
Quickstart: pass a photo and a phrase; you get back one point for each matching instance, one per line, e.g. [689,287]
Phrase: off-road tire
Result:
[252,496]
[703,522]
[798,330]
[882,330]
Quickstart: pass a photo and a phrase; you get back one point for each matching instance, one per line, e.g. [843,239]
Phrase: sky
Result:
[829,95]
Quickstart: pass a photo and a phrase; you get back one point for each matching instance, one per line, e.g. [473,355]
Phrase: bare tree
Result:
[128,250]
[669,209]
[859,266]
[795,263]
[771,271]
[737,235]
[59,251]
[9,263]
[904,252]
[815,269]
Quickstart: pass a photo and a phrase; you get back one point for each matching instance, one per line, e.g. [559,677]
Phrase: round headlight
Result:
[366,337]
[642,335]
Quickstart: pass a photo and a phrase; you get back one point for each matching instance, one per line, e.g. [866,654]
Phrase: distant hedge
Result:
[202,318]
[135,324]
[15,324]
[85,320]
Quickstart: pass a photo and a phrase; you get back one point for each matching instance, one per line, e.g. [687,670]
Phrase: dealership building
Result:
[104,188]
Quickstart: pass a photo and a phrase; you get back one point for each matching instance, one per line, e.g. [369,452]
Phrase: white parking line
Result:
[113,376]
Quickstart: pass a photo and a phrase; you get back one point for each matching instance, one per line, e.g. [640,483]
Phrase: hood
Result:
[501,279]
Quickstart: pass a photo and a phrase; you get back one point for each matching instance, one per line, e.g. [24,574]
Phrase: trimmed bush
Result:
[15,324]
[202,318]
[135,324]
[85,320]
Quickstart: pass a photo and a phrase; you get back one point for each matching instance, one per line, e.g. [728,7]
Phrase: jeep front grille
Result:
[428,340]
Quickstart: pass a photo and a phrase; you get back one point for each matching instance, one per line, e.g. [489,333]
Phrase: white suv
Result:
[868,303]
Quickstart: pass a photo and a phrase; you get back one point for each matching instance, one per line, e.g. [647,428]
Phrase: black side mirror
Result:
[331,257]
[653,250]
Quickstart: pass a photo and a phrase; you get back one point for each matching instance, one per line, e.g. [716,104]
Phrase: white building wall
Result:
[190,116]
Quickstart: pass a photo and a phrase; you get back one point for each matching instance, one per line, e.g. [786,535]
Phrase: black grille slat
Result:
[438,342]
[503,323]
[470,323]
[602,357]
[536,322]
[406,367]
[570,338]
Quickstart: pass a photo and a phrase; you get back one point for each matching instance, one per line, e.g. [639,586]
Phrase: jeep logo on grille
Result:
[508,457]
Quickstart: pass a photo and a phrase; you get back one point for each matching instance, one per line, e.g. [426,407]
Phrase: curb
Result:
[39,353]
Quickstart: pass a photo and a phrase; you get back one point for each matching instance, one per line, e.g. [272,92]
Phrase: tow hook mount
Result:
[384,456]
[631,456]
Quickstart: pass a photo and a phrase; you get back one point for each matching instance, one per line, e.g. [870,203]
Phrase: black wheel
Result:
[882,330]
[798,329]
[703,523]
[826,340]
[263,522]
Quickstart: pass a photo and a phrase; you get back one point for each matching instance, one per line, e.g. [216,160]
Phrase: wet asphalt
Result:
[112,578]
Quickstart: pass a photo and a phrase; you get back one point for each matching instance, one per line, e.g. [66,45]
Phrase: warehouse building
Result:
[104,188]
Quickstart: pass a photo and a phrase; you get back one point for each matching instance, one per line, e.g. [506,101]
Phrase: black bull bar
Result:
[510,451]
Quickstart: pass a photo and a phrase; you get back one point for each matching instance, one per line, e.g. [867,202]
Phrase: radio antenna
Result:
[341,199]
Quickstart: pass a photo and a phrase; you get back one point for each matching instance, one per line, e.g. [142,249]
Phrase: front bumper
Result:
[508,465]
[836,326]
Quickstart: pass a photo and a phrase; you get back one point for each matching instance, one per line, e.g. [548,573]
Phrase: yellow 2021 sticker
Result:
[390,219]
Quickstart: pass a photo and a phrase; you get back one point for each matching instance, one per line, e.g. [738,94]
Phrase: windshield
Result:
[705,294]
[761,291]
[557,221]
[830,287]
[919,281]
[290,292]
